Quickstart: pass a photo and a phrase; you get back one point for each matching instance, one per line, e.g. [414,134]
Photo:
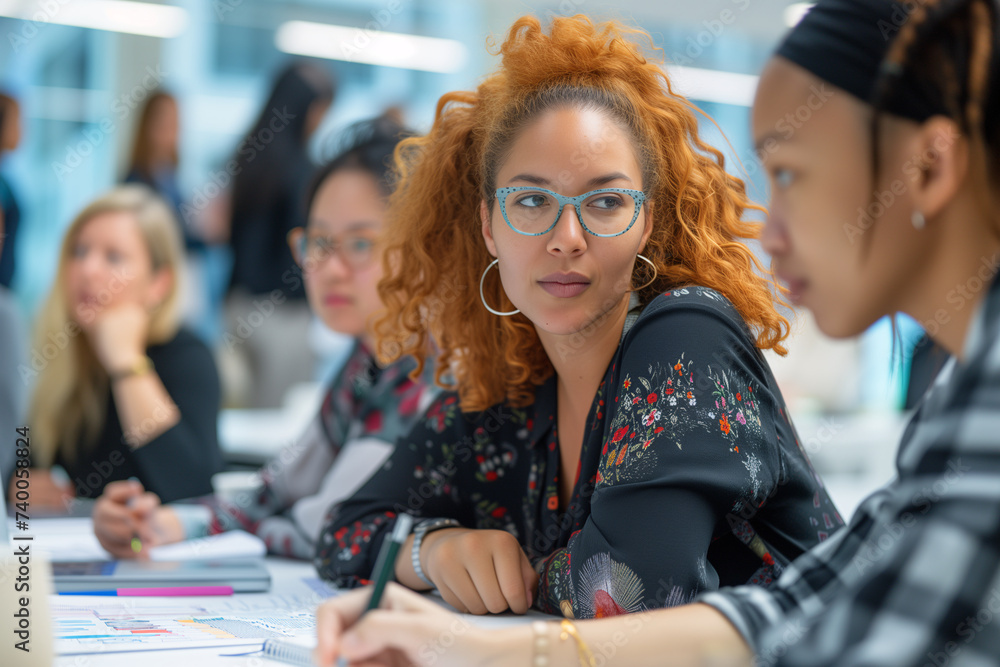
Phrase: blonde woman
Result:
[122,391]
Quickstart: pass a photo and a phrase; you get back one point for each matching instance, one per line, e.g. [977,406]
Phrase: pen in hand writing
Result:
[385,563]
[136,542]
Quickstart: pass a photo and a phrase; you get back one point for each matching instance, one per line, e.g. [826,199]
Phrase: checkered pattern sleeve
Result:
[915,579]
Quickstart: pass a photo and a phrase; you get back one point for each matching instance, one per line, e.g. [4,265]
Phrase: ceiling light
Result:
[372,47]
[138,18]
[709,85]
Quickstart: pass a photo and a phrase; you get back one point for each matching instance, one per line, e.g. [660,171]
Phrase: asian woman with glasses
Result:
[613,441]
[366,407]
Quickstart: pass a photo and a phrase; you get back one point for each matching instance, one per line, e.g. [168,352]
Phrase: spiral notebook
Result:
[296,651]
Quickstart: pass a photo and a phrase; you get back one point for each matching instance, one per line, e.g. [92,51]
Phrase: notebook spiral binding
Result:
[283,651]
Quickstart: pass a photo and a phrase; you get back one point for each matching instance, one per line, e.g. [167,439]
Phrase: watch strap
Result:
[423,528]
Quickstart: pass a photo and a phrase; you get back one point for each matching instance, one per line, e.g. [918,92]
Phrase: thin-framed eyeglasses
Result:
[311,250]
[534,211]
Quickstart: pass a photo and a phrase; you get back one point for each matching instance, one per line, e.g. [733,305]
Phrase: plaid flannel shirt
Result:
[915,577]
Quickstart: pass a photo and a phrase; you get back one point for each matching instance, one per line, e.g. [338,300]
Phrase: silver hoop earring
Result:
[483,298]
[655,273]
[918,220]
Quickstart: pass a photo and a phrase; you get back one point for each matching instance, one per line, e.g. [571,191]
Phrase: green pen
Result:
[385,564]
[136,542]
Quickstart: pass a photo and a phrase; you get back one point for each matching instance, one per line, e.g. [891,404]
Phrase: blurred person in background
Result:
[154,157]
[366,407]
[10,138]
[154,162]
[267,317]
[122,390]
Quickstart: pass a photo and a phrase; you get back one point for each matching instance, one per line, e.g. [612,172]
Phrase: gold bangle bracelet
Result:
[542,642]
[567,630]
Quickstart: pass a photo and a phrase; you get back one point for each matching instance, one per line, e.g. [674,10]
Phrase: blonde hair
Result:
[70,398]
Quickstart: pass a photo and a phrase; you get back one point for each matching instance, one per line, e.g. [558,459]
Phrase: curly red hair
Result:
[435,253]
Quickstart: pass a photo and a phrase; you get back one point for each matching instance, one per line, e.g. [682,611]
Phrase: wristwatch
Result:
[140,366]
[424,527]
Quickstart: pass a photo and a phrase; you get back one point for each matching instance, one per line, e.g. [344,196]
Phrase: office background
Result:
[82,69]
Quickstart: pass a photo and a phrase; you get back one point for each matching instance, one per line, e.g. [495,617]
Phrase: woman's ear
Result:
[486,218]
[647,224]
[942,165]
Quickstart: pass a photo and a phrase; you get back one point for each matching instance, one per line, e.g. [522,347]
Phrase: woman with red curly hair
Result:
[615,441]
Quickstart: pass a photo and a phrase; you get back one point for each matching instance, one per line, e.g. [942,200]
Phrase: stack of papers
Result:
[74,540]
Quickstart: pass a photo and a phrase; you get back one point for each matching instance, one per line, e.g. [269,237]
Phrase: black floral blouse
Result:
[691,476]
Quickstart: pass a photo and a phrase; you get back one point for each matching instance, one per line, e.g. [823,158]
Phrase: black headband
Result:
[844,42]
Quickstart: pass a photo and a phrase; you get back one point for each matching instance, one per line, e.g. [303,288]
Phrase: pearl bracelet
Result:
[541,644]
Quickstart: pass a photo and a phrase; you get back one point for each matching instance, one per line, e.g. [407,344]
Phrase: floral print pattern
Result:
[690,475]
[363,401]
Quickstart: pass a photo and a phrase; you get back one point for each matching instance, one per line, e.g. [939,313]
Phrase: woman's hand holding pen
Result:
[479,571]
[402,632]
[129,520]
